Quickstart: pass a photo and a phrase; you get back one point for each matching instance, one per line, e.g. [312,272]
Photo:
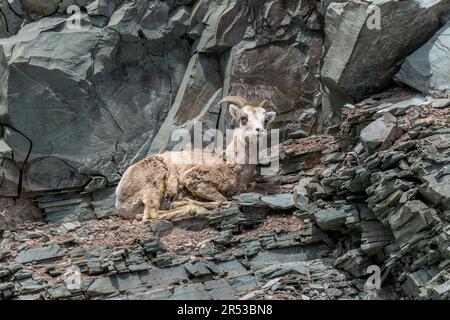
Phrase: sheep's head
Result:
[252,120]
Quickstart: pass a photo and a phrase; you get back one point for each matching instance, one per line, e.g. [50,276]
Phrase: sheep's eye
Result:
[244,118]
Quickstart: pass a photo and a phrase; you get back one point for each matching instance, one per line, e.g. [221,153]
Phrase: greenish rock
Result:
[45,174]
[380,134]
[224,237]
[198,13]
[244,283]
[249,199]
[4,76]
[65,4]
[332,13]
[58,292]
[335,218]
[10,20]
[126,20]
[194,291]
[267,258]
[163,29]
[152,246]
[23,274]
[400,108]
[225,23]
[164,277]
[412,218]
[197,269]
[103,202]
[300,196]
[78,113]
[437,189]
[95,184]
[349,69]
[284,201]
[9,178]
[102,7]
[100,287]
[354,262]
[70,226]
[232,268]
[428,69]
[298,134]
[40,254]
[440,103]
[5,150]
[161,227]
[414,281]
[40,8]
[266,72]
[198,91]
[4,253]
[311,270]
[65,207]
[220,290]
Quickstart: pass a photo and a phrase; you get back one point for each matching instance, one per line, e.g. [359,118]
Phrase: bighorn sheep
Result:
[160,181]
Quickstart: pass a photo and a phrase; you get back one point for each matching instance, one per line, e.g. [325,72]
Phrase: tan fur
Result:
[166,180]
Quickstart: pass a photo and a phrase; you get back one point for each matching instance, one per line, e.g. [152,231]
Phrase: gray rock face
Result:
[80,104]
[46,174]
[267,72]
[10,19]
[362,58]
[198,92]
[428,68]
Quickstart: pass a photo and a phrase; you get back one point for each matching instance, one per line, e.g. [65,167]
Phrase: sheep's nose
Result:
[258,130]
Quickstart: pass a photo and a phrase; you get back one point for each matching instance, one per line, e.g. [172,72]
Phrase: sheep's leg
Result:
[185,202]
[151,206]
[152,198]
[171,182]
[183,212]
[207,192]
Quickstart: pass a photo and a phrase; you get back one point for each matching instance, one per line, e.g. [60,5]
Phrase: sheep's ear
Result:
[234,111]
[270,116]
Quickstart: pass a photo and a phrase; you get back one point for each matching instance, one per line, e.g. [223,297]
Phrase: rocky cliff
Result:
[362,92]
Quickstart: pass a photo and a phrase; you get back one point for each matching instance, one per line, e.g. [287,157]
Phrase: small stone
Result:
[297,134]
[354,262]
[380,134]
[70,226]
[334,218]
[197,269]
[23,274]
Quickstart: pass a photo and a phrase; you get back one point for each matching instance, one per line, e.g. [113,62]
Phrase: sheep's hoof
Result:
[139,217]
